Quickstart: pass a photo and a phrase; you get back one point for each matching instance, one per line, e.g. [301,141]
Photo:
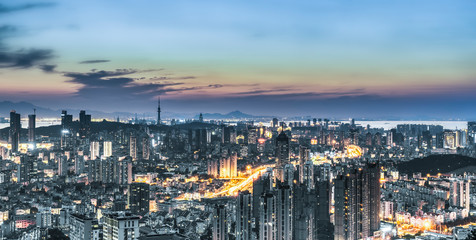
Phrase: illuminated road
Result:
[234,185]
[230,189]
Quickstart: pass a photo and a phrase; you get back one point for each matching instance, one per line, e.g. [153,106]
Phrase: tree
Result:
[471,235]
[57,234]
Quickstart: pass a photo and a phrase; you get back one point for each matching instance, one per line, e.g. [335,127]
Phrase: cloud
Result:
[260,91]
[9,9]
[5,32]
[101,78]
[289,93]
[48,68]
[172,78]
[180,90]
[6,29]
[24,58]
[124,89]
[94,61]
[118,87]
[215,85]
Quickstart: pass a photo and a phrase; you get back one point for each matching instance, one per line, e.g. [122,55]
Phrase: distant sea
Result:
[392,124]
[39,123]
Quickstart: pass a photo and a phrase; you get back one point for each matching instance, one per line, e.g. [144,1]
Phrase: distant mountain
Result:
[230,115]
[25,108]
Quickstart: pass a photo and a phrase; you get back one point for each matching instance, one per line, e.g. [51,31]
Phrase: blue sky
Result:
[417,56]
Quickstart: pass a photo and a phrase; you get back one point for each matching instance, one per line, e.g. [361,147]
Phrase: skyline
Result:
[367,59]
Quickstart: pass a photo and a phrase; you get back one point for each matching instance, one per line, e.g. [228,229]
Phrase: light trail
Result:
[230,190]
[232,187]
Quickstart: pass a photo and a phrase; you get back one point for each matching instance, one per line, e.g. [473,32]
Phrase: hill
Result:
[438,164]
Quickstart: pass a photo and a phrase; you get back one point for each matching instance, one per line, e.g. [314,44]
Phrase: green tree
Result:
[471,235]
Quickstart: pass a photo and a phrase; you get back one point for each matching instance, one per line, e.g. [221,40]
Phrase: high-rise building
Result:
[66,120]
[228,134]
[372,178]
[460,193]
[138,198]
[31,130]
[284,212]
[94,170]
[62,165]
[94,149]
[377,141]
[287,177]
[252,135]
[212,168]
[267,217]
[111,170]
[224,167]
[244,203]
[303,155]
[84,124]
[357,203]
[66,129]
[233,164]
[228,166]
[24,169]
[43,217]
[133,147]
[472,132]
[307,175]
[220,223]
[145,148]
[449,139]
[108,174]
[303,213]
[15,128]
[324,230]
[262,185]
[368,139]
[79,165]
[123,172]
[107,149]
[390,137]
[346,208]
[121,226]
[282,149]
[80,227]
[275,123]
[462,138]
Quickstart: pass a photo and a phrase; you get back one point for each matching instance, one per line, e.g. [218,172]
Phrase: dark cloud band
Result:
[9,9]
[94,61]
[24,58]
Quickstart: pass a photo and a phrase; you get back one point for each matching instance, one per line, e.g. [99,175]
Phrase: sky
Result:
[338,59]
